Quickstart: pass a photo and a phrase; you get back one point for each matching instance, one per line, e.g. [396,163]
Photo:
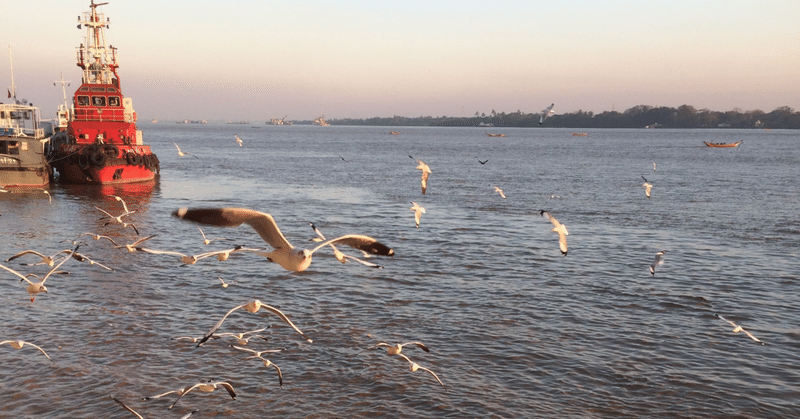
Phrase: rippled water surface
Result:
[514,329]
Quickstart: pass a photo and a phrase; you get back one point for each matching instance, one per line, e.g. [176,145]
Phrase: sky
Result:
[254,60]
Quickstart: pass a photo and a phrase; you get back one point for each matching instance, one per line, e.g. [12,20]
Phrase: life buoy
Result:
[98,159]
[137,160]
[83,161]
[111,151]
[130,157]
[91,150]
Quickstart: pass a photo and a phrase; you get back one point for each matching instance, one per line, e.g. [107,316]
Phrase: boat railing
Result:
[106,115]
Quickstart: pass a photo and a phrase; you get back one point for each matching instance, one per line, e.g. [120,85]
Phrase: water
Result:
[515,329]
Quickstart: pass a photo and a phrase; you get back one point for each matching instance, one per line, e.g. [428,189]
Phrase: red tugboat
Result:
[100,144]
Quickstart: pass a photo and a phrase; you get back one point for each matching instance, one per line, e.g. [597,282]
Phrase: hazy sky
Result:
[255,60]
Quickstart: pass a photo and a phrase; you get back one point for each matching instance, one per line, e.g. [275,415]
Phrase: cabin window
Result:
[98,89]
[111,89]
[83,100]
[113,101]
[98,101]
[9,147]
[84,89]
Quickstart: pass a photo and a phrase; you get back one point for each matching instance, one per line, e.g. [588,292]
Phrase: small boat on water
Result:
[580,134]
[723,145]
[23,147]
[495,135]
[394,133]
[101,144]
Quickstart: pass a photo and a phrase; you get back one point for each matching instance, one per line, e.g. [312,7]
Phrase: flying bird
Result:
[18,344]
[46,260]
[481,162]
[37,287]
[647,186]
[284,254]
[559,228]
[238,140]
[418,211]
[396,348]
[206,240]
[546,113]
[341,256]
[181,153]
[252,307]
[98,237]
[657,262]
[737,329]
[267,362]
[206,388]
[413,366]
[500,191]
[132,247]
[654,166]
[425,172]
[118,219]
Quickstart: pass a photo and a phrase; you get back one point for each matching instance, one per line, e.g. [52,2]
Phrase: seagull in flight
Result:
[341,256]
[559,228]
[206,240]
[284,254]
[46,260]
[737,329]
[181,153]
[413,366]
[252,307]
[238,140]
[132,247]
[418,211]
[118,219]
[267,362]
[425,172]
[647,186]
[481,162]
[206,387]
[657,262]
[98,237]
[37,287]
[546,113]
[654,166]
[396,348]
[18,344]
[500,191]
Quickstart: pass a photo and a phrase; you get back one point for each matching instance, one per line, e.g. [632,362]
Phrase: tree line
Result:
[640,116]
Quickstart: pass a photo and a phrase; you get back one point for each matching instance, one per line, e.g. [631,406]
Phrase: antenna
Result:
[12,93]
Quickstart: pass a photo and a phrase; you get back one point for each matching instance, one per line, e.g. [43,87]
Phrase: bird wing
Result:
[418,344]
[227,387]
[562,242]
[124,406]
[285,319]
[59,265]
[160,252]
[105,212]
[363,262]
[158,396]
[176,146]
[219,323]
[184,392]
[144,239]
[433,374]
[40,350]
[360,242]
[424,182]
[25,252]
[17,274]
[261,222]
[550,218]
[124,207]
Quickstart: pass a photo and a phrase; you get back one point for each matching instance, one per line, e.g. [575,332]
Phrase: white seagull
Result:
[238,140]
[46,260]
[425,172]
[287,256]
[18,344]
[117,219]
[252,307]
[654,166]
[83,258]
[418,211]
[546,113]
[647,186]
[206,387]
[98,237]
[737,329]
[243,337]
[267,362]
[181,153]
[657,262]
[559,228]
[341,256]
[37,287]
[395,349]
[132,247]
[413,366]
[206,240]
[500,191]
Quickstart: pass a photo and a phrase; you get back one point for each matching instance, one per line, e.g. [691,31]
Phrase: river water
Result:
[514,328]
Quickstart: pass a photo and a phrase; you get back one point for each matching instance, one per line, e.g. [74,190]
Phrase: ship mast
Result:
[98,62]
[12,92]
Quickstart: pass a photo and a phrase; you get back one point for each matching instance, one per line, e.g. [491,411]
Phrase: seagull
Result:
[37,287]
[46,260]
[207,388]
[546,113]
[657,262]
[654,166]
[418,211]
[395,349]
[340,156]
[206,240]
[500,191]
[238,140]
[132,247]
[647,186]
[99,236]
[425,172]
[124,206]
[252,307]
[481,162]
[267,362]
[414,366]
[126,407]
[285,255]
[553,197]
[18,344]
[559,228]
[224,284]
[83,258]
[186,259]
[241,336]
[181,153]
[340,256]
[221,255]
[737,329]
[192,339]
[118,219]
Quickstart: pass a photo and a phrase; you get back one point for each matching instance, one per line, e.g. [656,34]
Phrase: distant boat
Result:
[580,134]
[495,135]
[321,121]
[723,145]
[154,121]
[394,133]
